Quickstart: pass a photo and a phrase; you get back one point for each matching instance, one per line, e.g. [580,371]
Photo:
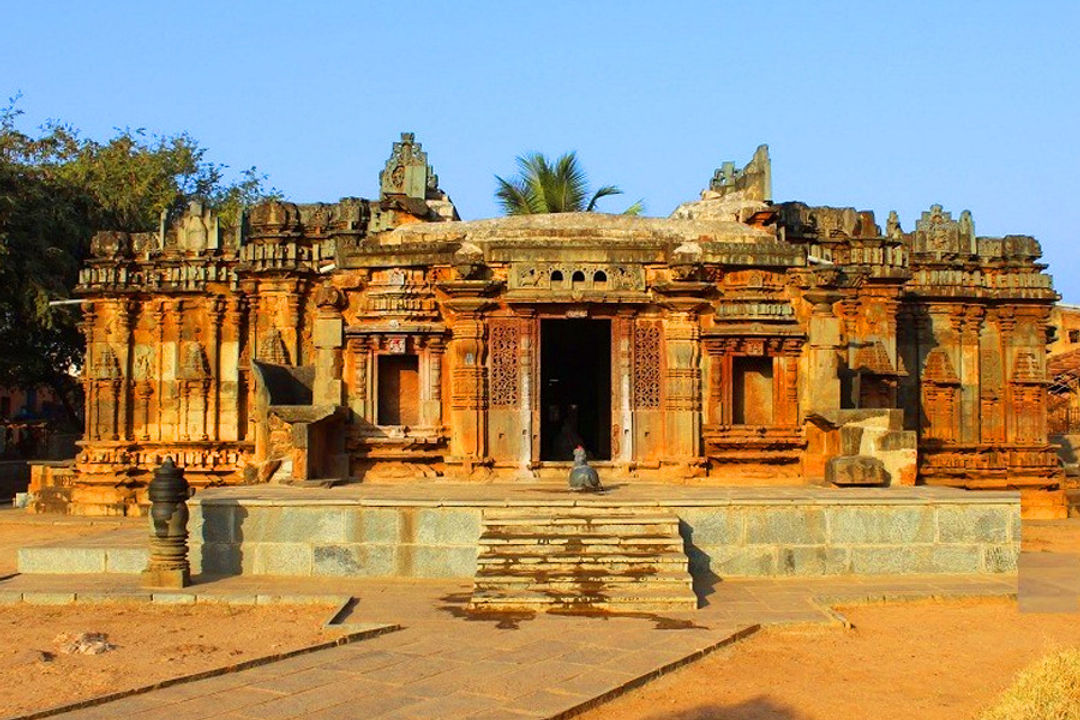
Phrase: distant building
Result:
[737,342]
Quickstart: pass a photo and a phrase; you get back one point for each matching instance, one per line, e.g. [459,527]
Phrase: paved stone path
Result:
[448,664]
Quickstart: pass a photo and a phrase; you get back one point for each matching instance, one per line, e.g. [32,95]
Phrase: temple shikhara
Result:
[742,341]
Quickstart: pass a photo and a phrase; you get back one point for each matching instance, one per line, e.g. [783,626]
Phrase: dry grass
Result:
[1047,690]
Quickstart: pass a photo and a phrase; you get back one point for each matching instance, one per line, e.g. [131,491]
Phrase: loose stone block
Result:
[887,526]
[973,524]
[785,526]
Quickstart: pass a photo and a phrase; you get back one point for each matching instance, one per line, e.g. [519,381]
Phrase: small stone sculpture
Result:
[582,477]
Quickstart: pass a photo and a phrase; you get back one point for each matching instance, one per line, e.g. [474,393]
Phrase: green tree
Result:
[56,190]
[542,186]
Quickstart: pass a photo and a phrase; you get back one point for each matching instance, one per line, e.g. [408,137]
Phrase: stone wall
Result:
[797,532]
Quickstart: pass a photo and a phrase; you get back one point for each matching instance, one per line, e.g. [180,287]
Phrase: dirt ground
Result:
[152,642]
[926,660]
[1051,536]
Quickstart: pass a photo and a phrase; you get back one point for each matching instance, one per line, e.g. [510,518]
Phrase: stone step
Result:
[613,563]
[635,599]
[579,541]
[583,560]
[570,581]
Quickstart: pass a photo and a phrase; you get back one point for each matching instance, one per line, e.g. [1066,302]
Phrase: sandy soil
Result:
[153,643]
[926,660]
[1051,536]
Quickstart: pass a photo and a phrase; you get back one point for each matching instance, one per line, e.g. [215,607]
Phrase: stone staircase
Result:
[583,559]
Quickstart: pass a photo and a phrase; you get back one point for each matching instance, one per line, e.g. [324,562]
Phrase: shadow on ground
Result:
[759,708]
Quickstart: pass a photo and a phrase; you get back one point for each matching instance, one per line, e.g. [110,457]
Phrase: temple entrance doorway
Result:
[575,388]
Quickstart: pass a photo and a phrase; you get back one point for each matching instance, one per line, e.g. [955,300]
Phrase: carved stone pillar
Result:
[215,313]
[468,401]
[436,346]
[128,312]
[622,435]
[230,386]
[969,328]
[682,405]
[822,392]
[328,338]
[92,420]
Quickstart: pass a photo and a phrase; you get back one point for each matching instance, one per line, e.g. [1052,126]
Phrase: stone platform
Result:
[433,530]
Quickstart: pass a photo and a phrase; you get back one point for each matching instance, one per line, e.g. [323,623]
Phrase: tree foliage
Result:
[56,189]
[542,186]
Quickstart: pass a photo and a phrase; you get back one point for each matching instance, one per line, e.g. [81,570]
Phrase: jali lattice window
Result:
[647,366]
[505,341]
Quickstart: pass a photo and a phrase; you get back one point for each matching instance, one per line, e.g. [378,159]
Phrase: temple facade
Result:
[739,341]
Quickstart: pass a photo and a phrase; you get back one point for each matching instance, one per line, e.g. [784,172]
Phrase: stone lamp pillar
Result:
[168,566]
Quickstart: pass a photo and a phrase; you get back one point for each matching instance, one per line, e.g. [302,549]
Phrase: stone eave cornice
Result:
[375,255]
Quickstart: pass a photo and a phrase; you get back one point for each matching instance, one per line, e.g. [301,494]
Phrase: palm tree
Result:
[542,186]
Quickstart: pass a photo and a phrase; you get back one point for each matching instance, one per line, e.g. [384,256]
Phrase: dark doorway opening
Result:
[575,388]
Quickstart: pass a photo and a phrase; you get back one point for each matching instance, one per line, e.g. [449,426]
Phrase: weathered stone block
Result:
[282,559]
[432,561]
[327,332]
[307,525]
[851,440]
[354,560]
[216,524]
[373,525]
[856,470]
[738,561]
[126,560]
[60,560]
[436,526]
[956,559]
[973,524]
[871,526]
[220,559]
[1000,558]
[813,560]
[890,560]
[785,526]
[716,526]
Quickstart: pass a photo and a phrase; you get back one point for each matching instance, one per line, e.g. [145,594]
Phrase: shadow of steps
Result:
[581,559]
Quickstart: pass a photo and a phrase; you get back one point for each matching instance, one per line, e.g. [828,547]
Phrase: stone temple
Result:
[738,342]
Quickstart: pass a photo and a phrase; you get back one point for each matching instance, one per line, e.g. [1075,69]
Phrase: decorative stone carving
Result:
[407,171]
[937,233]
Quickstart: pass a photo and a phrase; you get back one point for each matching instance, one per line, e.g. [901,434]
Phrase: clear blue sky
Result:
[880,106]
